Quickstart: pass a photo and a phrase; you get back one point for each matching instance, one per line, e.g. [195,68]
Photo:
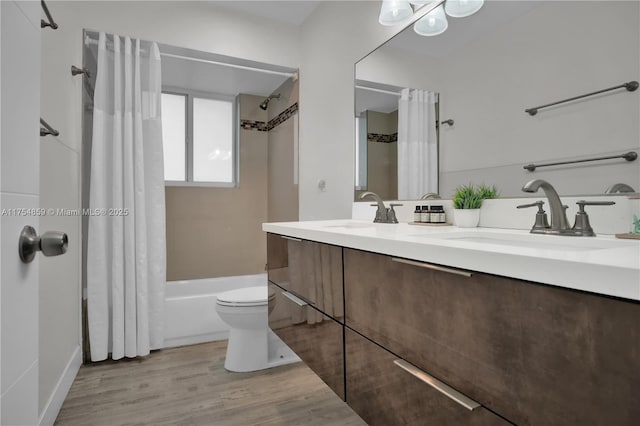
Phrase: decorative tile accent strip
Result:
[260,126]
[283,116]
[379,137]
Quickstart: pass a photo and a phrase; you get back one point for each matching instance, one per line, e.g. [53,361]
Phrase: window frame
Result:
[235,146]
[361,151]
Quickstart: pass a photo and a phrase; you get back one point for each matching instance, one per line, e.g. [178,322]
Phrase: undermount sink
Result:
[539,242]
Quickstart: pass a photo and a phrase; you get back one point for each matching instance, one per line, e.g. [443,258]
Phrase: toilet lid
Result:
[250,296]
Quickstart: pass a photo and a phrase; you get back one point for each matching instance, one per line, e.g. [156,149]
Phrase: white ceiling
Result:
[290,12]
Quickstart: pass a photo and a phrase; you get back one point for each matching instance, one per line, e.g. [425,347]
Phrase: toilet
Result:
[245,311]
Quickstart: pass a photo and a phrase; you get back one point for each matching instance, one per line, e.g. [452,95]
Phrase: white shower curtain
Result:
[417,144]
[126,252]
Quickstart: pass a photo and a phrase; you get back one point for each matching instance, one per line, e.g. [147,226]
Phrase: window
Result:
[199,133]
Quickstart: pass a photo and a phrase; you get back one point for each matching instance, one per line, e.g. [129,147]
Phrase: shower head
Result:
[265,103]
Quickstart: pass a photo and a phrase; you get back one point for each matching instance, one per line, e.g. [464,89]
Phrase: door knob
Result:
[51,243]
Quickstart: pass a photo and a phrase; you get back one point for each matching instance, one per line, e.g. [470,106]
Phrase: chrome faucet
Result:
[432,195]
[383,214]
[619,187]
[559,221]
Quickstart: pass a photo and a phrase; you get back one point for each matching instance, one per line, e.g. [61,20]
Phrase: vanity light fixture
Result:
[462,8]
[393,12]
[433,23]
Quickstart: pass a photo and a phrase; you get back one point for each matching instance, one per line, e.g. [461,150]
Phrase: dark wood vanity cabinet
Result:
[535,354]
[309,270]
[384,394]
[526,353]
[316,338]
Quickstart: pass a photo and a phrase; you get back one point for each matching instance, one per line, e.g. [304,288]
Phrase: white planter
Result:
[466,218]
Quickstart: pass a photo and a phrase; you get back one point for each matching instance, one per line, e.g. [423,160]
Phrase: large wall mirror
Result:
[465,92]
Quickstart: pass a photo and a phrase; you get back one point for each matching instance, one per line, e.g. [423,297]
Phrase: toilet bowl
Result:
[246,312]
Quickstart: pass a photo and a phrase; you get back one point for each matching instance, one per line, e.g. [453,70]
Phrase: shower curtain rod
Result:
[49,22]
[46,129]
[90,40]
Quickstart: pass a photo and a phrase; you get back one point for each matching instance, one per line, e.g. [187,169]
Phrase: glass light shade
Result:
[462,8]
[433,23]
[393,12]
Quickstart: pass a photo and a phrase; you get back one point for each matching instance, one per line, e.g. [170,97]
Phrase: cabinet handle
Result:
[294,299]
[446,390]
[434,267]
[290,238]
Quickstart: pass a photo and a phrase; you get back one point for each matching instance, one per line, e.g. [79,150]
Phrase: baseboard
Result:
[194,340]
[54,404]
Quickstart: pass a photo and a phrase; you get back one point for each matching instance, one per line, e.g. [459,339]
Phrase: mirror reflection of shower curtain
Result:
[417,144]
[126,246]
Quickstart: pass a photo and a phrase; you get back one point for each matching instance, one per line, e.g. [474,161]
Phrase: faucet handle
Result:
[582,225]
[382,216]
[391,213]
[537,203]
[542,223]
[583,203]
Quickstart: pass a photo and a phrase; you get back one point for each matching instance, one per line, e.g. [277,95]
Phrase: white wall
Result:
[333,39]
[19,151]
[400,68]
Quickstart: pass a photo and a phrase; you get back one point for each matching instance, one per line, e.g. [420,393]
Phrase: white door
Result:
[19,202]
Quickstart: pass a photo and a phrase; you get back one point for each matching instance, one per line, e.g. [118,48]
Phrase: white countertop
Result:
[602,264]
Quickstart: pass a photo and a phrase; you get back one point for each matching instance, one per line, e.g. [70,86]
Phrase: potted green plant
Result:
[467,201]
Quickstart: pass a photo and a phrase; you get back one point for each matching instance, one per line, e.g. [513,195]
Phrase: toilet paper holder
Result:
[51,243]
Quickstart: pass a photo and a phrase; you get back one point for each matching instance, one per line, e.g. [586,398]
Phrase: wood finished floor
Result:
[189,386]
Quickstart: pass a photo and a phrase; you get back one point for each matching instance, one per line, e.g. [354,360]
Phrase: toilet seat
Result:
[250,296]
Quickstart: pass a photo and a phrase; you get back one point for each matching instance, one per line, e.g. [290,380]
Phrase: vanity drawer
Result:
[535,354]
[383,392]
[310,270]
[313,336]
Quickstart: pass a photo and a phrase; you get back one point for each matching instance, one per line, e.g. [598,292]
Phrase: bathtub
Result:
[190,308]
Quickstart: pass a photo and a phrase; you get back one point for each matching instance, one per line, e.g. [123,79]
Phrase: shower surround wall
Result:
[216,232]
[282,203]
